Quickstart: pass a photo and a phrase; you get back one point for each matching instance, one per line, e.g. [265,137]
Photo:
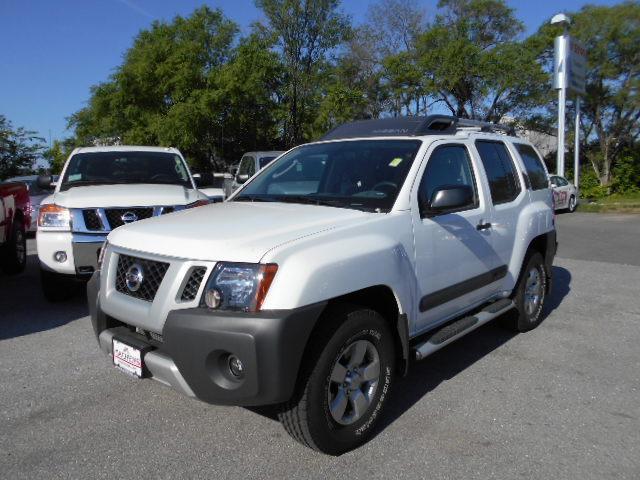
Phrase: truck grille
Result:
[92,220]
[190,290]
[114,215]
[152,274]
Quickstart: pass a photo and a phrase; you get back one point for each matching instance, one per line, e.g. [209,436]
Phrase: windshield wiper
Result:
[253,198]
[310,200]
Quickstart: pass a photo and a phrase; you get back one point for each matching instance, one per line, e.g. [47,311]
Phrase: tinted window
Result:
[501,173]
[449,165]
[116,167]
[264,161]
[364,174]
[533,165]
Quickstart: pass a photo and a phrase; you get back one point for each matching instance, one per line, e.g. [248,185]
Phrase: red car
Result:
[15,219]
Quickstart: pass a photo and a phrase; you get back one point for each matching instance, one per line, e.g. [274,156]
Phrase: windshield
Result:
[361,174]
[106,168]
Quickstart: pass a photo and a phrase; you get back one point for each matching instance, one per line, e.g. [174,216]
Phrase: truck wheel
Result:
[344,382]
[14,256]
[55,287]
[529,295]
[572,204]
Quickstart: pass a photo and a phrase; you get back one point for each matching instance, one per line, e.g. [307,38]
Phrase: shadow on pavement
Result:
[24,310]
[426,375]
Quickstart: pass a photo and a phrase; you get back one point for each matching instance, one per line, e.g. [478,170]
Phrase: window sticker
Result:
[75,177]
[395,162]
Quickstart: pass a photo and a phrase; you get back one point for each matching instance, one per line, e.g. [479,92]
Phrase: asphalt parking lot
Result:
[562,401]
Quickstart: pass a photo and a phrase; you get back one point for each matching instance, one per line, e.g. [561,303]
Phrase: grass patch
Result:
[616,203]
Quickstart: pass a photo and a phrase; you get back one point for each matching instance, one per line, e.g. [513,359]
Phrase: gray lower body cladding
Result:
[199,342]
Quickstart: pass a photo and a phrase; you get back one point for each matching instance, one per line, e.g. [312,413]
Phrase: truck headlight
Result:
[238,286]
[54,217]
[103,250]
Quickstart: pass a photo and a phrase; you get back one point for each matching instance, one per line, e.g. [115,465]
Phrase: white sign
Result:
[570,65]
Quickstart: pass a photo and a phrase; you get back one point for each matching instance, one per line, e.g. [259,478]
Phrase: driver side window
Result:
[448,166]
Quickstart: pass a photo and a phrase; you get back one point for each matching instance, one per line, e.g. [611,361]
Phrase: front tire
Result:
[344,382]
[14,256]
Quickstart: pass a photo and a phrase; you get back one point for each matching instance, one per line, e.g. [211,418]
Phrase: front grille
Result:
[92,220]
[114,215]
[152,274]
[190,290]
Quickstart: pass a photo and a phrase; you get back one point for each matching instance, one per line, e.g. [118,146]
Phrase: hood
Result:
[130,195]
[232,231]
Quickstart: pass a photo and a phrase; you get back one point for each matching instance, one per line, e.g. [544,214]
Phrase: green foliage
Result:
[627,173]
[306,30]
[57,154]
[19,149]
[590,185]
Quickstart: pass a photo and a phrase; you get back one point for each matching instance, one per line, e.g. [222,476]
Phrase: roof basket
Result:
[410,126]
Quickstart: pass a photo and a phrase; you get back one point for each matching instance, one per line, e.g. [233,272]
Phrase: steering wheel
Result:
[386,187]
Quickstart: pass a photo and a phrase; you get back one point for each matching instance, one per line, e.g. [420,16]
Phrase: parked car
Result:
[15,217]
[100,189]
[250,163]
[565,193]
[214,185]
[36,195]
[319,281]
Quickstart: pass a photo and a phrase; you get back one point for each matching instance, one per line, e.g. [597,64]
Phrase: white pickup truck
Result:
[331,270]
[100,189]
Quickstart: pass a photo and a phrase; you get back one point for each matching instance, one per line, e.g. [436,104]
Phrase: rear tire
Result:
[14,256]
[529,295]
[344,382]
[571,206]
[55,287]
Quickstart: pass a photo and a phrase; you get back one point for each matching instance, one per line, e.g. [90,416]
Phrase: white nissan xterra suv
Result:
[331,270]
[100,189]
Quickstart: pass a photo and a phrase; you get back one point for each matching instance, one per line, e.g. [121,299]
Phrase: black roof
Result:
[409,126]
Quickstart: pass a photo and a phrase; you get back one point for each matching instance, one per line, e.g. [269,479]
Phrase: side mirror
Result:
[45,182]
[449,197]
[242,178]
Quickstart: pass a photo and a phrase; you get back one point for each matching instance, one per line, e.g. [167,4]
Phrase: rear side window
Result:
[501,172]
[533,165]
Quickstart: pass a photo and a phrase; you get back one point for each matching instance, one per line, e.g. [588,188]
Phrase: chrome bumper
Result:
[86,249]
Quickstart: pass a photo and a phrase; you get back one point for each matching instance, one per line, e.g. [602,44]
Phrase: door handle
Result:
[483,226]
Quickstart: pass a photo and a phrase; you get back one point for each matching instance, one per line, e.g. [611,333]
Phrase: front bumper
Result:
[82,252]
[196,344]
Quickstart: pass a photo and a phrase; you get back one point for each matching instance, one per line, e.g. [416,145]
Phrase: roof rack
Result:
[411,126]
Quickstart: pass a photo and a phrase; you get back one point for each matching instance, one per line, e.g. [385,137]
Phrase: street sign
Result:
[570,65]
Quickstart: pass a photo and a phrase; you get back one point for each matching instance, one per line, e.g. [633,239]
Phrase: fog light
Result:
[212,298]
[235,366]
[60,257]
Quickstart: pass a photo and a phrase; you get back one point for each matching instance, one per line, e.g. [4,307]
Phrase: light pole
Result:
[560,82]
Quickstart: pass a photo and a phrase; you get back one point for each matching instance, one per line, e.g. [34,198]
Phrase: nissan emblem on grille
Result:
[129,217]
[134,277]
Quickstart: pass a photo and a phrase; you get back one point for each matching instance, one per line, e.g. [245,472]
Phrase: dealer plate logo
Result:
[134,277]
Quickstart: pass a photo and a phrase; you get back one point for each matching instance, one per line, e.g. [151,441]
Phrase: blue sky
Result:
[54,50]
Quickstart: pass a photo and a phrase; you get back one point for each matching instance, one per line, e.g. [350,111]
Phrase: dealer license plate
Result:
[127,358]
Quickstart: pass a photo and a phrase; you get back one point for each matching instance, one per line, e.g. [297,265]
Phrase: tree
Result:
[19,149]
[611,111]
[161,94]
[57,154]
[306,31]
[473,62]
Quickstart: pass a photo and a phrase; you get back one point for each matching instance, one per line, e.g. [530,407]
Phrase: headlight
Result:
[54,217]
[238,286]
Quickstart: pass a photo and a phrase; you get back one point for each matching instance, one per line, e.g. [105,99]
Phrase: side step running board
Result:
[459,328]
